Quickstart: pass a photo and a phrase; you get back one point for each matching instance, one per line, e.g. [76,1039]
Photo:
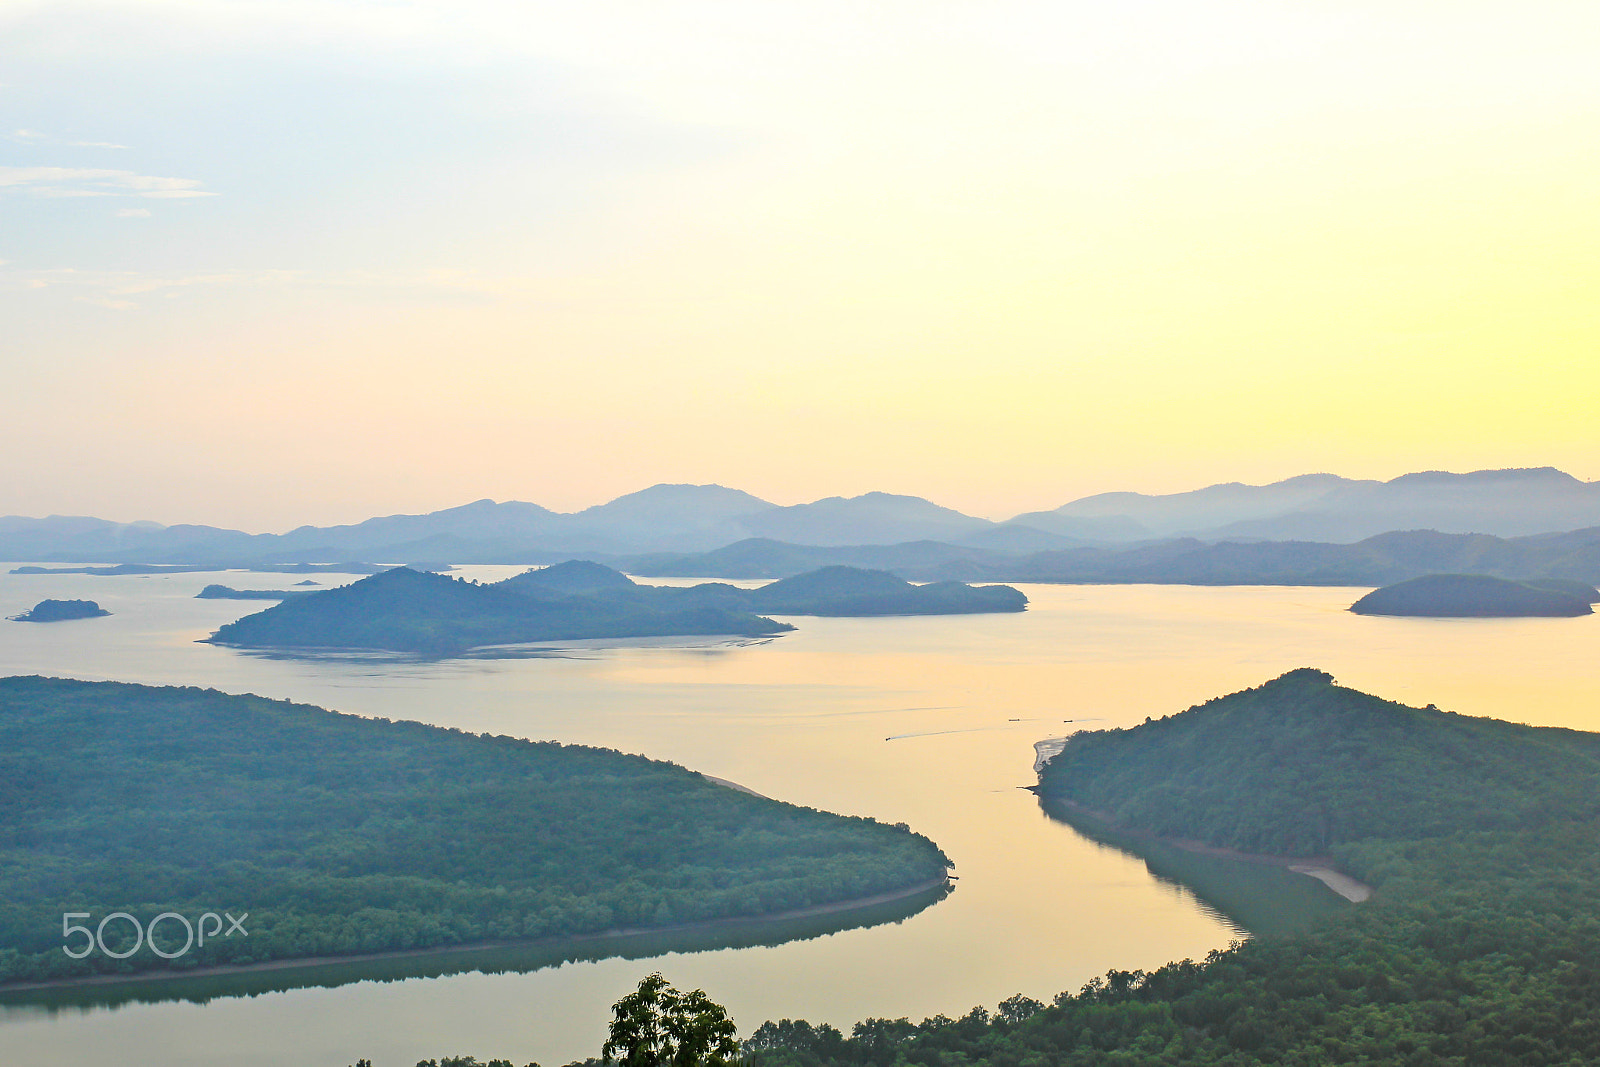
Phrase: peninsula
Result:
[343,835]
[1317,766]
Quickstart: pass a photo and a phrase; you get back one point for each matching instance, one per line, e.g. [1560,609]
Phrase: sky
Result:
[283,262]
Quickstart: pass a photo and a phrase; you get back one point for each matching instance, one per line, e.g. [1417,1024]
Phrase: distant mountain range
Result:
[1387,557]
[688,519]
[1324,507]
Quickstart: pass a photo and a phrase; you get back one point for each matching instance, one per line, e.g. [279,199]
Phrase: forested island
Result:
[226,592]
[402,610]
[1478,596]
[343,835]
[61,611]
[1482,945]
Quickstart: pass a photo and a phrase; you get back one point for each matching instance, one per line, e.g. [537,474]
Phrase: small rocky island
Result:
[61,611]
[1478,596]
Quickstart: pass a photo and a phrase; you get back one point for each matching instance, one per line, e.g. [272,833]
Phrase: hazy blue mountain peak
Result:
[711,500]
[1530,475]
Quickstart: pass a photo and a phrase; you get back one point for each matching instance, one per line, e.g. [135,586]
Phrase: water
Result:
[803,717]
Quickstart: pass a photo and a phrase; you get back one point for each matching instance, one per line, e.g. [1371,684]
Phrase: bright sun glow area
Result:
[273,263]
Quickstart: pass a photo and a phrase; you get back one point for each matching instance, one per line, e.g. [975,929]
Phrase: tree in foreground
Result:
[658,1026]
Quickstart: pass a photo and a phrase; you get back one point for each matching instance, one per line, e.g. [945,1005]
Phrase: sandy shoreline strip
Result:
[1044,751]
[1353,891]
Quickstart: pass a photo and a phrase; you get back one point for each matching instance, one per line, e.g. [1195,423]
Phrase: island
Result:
[403,610]
[1479,945]
[224,592]
[843,590]
[1478,596]
[61,611]
[833,590]
[343,835]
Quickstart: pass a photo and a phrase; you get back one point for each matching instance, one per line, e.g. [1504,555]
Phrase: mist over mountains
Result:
[689,519]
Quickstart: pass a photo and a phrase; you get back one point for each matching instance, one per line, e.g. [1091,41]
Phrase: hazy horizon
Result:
[271,265]
[777,503]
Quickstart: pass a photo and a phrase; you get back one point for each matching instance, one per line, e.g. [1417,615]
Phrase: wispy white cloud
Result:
[35,137]
[84,181]
[133,213]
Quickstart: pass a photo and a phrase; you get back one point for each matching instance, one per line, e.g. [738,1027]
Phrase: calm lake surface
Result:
[930,721]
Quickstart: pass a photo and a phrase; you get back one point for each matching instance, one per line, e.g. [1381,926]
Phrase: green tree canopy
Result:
[658,1026]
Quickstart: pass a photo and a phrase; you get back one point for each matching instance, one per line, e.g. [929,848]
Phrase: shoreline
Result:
[298,962]
[1319,867]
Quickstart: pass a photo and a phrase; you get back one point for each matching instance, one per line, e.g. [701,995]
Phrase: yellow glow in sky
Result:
[274,264]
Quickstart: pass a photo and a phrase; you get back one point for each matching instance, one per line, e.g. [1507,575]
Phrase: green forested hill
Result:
[1300,764]
[1481,947]
[339,834]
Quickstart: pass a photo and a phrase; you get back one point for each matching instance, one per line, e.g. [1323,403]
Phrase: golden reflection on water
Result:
[1124,652]
[808,718]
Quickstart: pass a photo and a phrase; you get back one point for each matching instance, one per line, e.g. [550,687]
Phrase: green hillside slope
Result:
[339,834]
[1298,765]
